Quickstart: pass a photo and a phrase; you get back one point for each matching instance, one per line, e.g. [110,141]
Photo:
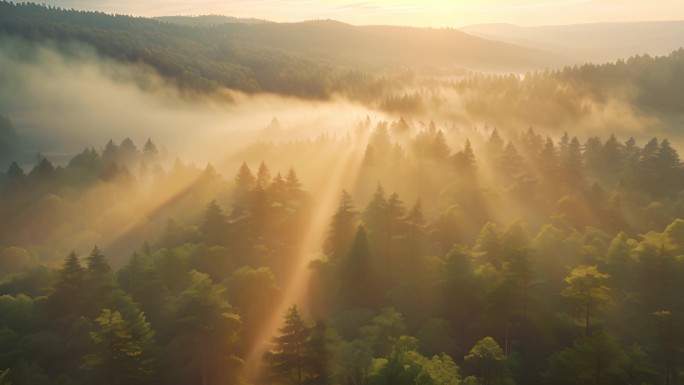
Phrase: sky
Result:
[423,13]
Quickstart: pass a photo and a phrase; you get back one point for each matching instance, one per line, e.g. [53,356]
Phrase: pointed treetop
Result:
[150,149]
[15,172]
[415,215]
[292,181]
[245,180]
[71,273]
[97,263]
[395,206]
[263,176]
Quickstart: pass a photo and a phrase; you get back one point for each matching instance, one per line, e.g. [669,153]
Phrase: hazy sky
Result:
[436,13]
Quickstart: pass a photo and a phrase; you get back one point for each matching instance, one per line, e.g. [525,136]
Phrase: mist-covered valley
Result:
[215,200]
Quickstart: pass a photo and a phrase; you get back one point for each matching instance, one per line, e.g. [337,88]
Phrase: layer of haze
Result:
[428,13]
[60,105]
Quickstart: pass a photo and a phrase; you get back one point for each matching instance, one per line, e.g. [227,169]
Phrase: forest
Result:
[522,259]
[219,200]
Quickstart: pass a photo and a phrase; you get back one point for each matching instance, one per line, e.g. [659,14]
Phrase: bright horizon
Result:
[426,13]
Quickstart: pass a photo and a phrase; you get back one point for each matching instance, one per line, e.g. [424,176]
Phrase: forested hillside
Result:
[522,259]
[310,59]
[408,71]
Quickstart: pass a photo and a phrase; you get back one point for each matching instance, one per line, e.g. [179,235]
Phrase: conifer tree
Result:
[68,295]
[587,291]
[214,226]
[99,282]
[342,227]
[263,179]
[121,355]
[287,360]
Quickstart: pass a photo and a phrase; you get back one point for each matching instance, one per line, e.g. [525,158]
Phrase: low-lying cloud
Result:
[62,103]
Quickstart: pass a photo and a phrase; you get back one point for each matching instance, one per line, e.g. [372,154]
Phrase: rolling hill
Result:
[311,59]
[594,42]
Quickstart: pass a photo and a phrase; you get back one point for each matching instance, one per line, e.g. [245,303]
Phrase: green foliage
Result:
[595,359]
[342,227]
[121,355]
[487,361]
[400,292]
[287,361]
[4,377]
[587,291]
[205,329]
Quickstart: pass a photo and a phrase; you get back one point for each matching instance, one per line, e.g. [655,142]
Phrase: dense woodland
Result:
[522,259]
[410,71]
[454,252]
[313,59]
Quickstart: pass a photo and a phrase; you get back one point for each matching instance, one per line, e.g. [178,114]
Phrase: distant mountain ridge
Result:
[207,20]
[592,42]
[312,59]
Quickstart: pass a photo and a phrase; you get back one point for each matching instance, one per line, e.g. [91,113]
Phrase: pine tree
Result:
[292,183]
[43,171]
[68,294]
[205,327]
[572,164]
[120,358]
[287,361]
[587,291]
[548,162]
[439,150]
[395,214]
[71,276]
[355,272]
[488,362]
[596,359]
[375,214]
[110,154]
[494,144]
[99,282]
[612,156]
[342,227]
[488,246]
[15,172]
[244,180]
[518,266]
[150,151]
[464,160]
[263,179]
[214,226]
[318,355]
[510,164]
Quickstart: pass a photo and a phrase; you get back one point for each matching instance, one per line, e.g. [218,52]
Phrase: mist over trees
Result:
[522,259]
[468,228]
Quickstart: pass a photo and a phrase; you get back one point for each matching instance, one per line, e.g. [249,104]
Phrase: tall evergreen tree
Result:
[120,357]
[205,331]
[375,214]
[214,226]
[464,160]
[587,291]
[244,183]
[99,283]
[263,178]
[342,227]
[68,295]
[318,355]
[287,360]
